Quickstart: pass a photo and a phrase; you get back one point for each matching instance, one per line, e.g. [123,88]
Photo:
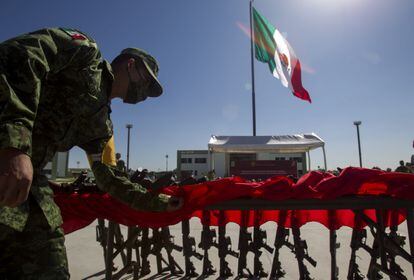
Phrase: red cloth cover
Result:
[79,210]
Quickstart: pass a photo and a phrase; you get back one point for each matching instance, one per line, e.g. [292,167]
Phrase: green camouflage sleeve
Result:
[134,195]
[25,63]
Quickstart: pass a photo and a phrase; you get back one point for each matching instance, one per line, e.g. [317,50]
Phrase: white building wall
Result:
[57,168]
[198,170]
[219,166]
[62,164]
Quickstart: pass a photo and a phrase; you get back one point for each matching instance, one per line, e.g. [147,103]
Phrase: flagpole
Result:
[252,65]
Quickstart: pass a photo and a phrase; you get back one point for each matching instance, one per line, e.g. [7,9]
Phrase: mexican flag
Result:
[273,49]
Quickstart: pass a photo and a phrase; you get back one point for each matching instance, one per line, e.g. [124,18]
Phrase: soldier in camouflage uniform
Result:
[120,164]
[55,92]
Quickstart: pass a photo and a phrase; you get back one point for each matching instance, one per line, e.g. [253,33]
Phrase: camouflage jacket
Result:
[54,94]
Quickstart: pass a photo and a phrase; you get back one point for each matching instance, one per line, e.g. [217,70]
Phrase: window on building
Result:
[200,160]
[186,160]
[241,157]
[195,172]
[279,158]
[297,159]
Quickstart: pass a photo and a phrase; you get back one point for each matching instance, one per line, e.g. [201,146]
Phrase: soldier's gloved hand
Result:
[174,203]
[16,175]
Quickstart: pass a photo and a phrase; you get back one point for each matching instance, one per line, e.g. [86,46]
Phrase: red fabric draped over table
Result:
[79,210]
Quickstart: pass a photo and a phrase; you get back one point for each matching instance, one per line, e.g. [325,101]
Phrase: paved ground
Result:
[86,258]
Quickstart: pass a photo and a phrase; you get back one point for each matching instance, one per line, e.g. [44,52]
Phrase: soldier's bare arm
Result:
[16,174]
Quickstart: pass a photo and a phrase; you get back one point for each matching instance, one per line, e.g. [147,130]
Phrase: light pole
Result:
[357,124]
[130,229]
[128,126]
[166,162]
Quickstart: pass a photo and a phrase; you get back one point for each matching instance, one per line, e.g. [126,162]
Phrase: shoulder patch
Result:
[75,34]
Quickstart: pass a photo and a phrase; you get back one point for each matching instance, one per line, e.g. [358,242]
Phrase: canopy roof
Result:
[297,143]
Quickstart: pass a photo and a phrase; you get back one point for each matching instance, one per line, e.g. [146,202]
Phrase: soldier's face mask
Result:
[137,91]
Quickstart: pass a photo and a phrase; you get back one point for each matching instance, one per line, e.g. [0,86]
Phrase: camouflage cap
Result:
[152,68]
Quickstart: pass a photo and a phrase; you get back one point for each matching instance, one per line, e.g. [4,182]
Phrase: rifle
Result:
[259,241]
[164,181]
[301,252]
[170,246]
[360,242]
[373,269]
[101,235]
[263,241]
[282,238]
[394,243]
[160,240]
[82,184]
[208,240]
[333,245]
[119,244]
[392,246]
[156,248]
[245,240]
[145,251]
[188,181]
[131,243]
[192,180]
[400,241]
[224,248]
[141,177]
[189,249]
[356,241]
[392,274]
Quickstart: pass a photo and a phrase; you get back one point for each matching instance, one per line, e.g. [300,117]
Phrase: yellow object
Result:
[108,155]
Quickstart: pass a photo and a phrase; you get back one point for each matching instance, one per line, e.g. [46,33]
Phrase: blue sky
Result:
[357,54]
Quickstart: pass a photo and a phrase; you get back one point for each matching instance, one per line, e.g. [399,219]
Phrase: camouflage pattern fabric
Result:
[136,197]
[36,253]
[120,164]
[54,94]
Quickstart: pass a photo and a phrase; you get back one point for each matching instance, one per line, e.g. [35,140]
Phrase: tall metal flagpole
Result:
[252,63]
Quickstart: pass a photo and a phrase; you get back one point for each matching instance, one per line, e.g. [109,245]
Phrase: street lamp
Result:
[357,124]
[128,126]
[166,162]
[130,229]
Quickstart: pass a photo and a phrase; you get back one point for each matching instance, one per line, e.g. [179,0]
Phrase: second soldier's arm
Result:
[110,180]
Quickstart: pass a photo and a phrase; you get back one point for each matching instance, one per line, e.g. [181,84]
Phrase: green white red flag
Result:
[272,48]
